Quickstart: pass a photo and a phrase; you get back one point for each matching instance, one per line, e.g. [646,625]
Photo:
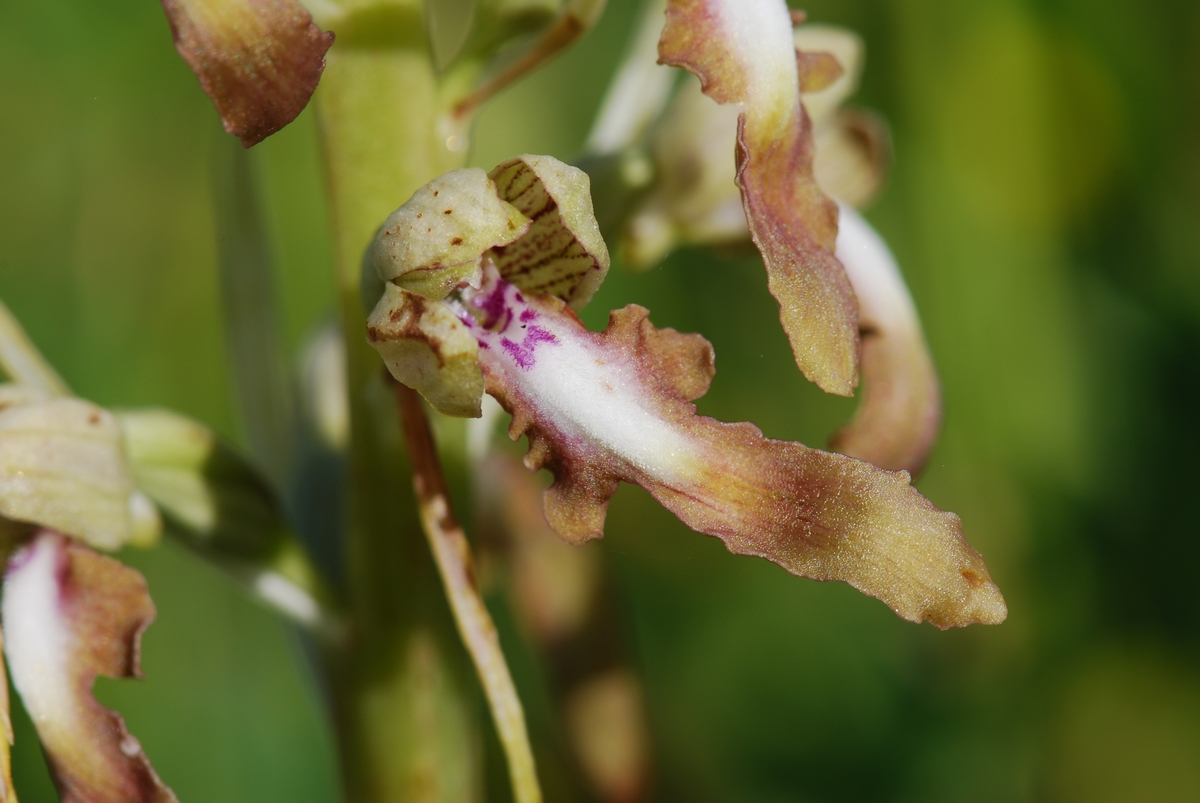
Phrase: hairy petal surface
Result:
[426,347]
[897,421]
[563,253]
[259,60]
[62,466]
[603,408]
[743,52]
[69,616]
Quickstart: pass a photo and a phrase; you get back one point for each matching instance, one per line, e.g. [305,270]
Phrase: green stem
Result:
[404,702]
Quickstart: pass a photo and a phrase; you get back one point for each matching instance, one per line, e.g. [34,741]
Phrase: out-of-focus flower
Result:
[76,479]
[695,200]
[603,408]
[70,614]
[564,600]
[700,195]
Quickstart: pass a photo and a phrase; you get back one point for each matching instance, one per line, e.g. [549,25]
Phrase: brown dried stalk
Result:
[452,553]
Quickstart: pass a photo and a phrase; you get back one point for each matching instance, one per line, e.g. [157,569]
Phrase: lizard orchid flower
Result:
[523,251]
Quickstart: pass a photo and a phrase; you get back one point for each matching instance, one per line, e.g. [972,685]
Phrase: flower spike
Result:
[259,60]
[743,52]
[69,616]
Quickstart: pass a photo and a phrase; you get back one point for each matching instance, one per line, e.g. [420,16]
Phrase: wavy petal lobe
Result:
[612,407]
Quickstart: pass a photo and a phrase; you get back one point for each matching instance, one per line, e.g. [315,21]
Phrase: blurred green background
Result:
[1045,206]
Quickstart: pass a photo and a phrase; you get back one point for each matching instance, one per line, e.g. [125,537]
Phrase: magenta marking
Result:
[535,335]
[523,353]
[528,315]
[493,306]
[522,356]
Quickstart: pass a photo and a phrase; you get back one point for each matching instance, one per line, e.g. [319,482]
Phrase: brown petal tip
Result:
[258,60]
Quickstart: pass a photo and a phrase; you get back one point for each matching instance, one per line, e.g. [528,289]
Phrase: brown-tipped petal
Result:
[259,60]
[8,793]
[435,240]
[600,408]
[71,615]
[897,421]
[62,466]
[428,349]
[743,52]
[563,253]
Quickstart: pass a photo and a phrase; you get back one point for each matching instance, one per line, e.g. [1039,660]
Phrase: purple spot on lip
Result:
[521,355]
[528,315]
[535,335]
[493,305]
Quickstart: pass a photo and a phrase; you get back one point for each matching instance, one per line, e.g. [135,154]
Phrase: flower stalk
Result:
[403,706]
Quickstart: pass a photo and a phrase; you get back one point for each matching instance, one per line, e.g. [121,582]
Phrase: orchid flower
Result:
[484,272]
[480,276]
[694,199]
